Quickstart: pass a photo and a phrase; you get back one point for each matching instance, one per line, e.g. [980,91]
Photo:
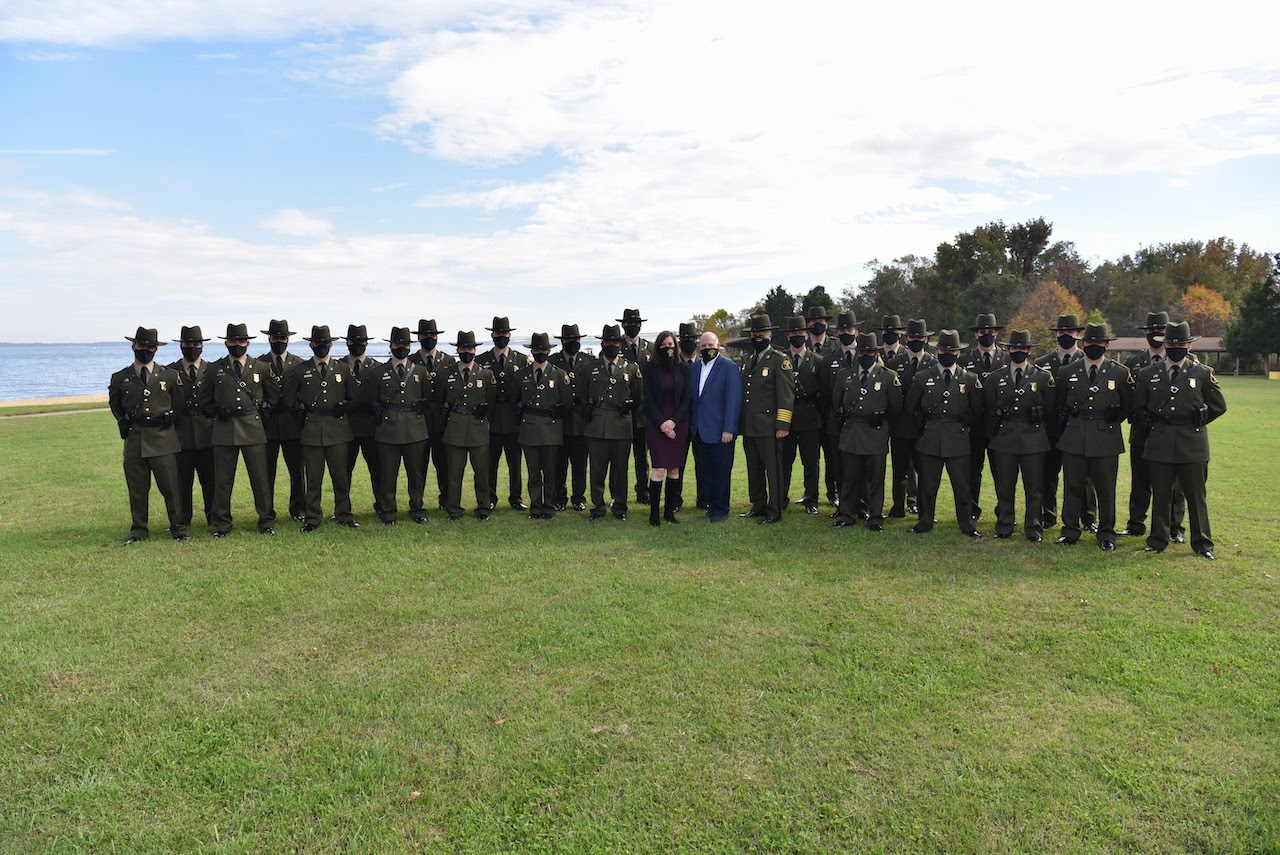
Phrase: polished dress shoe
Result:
[300,517]
[1152,549]
[768,520]
[975,534]
[221,534]
[915,529]
[842,524]
[420,520]
[1208,553]
[897,514]
[875,527]
[452,519]
[999,536]
[1178,537]
[131,540]
[1129,532]
[1065,541]
[482,517]
[354,524]
[518,505]
[182,538]
[579,506]
[559,506]
[389,522]
[912,508]
[1034,538]
[749,514]
[596,516]
[269,531]
[1107,546]
[811,509]
[309,527]
[619,515]
[1092,528]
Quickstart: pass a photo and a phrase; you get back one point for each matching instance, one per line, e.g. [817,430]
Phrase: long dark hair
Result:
[657,344]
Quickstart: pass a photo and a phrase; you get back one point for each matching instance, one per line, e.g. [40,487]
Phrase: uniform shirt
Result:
[145,405]
[1018,413]
[805,366]
[404,402]
[234,401]
[907,365]
[1178,410]
[321,394]
[1094,407]
[280,424]
[602,389]
[868,404]
[768,393]
[465,428]
[947,408]
[195,429]
[503,417]
[575,423]
[544,403]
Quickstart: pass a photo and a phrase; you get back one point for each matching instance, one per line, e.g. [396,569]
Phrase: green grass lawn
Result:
[522,685]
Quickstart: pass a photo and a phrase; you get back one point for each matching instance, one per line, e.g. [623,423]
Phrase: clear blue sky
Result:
[377,162]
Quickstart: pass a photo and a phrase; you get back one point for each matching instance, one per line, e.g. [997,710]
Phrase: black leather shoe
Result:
[768,520]
[749,514]
[912,509]
[300,517]
[518,505]
[875,527]
[559,506]
[131,540]
[834,515]
[1178,537]
[354,524]
[999,536]
[811,509]
[579,506]
[1129,532]
[182,538]
[420,520]
[1065,541]
[268,531]
[452,519]
[897,514]
[309,527]
[1034,538]
[975,534]
[482,517]
[389,522]
[1092,528]
[620,515]
[1152,549]
[1208,553]
[221,534]
[1106,546]
[915,529]
[842,524]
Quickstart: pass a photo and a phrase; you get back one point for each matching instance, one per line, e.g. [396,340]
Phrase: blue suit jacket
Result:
[718,408]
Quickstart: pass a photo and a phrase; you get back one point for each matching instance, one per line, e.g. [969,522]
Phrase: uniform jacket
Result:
[234,403]
[651,384]
[1094,411]
[867,409]
[195,429]
[149,409]
[768,393]
[805,415]
[441,365]
[974,361]
[326,400]
[830,383]
[543,404]
[1052,362]
[360,417]
[829,345]
[466,428]
[1018,416]
[717,409]
[1178,412]
[406,405]
[602,391]
[903,425]
[575,424]
[503,418]
[947,410]
[638,355]
[280,423]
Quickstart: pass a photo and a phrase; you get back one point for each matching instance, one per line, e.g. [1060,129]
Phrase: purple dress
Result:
[667,453]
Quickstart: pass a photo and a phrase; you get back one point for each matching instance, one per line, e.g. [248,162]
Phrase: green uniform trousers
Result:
[1166,479]
[1005,469]
[930,481]
[138,472]
[458,456]
[314,460]
[414,457]
[225,460]
[608,457]
[1078,472]
[764,475]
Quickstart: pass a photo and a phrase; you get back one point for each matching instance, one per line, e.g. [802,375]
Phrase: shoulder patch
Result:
[977,382]
[1052,382]
[897,381]
[786,363]
[1129,378]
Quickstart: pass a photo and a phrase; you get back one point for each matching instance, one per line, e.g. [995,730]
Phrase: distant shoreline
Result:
[65,399]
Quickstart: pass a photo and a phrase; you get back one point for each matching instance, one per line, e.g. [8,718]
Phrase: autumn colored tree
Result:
[1206,310]
[1041,310]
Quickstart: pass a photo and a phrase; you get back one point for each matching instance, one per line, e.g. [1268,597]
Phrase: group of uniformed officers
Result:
[869,404]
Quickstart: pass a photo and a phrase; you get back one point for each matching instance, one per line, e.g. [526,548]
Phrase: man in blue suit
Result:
[716,409]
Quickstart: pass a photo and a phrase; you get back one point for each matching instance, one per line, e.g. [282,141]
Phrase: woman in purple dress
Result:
[666,423]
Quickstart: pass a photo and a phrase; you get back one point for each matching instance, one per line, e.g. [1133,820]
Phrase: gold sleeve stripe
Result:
[784,416]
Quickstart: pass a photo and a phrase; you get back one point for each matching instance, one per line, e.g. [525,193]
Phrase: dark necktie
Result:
[191,372]
[848,359]
[915,364]
[502,363]
[279,366]
[355,368]
[864,378]
[466,375]
[144,376]
[946,377]
[537,377]
[1066,357]
[610,372]
[1173,375]
[237,368]
[986,361]
[429,363]
[324,370]
[1093,374]
[1017,378]
[400,371]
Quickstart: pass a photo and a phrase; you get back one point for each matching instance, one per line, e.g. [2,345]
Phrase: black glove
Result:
[221,412]
[265,408]
[300,411]
[482,410]
[877,419]
[1200,417]
[559,411]
[1113,413]
[626,408]
[123,424]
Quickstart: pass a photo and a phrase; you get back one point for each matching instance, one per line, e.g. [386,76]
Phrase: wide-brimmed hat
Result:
[319,335]
[148,337]
[949,340]
[631,316]
[867,342]
[1155,320]
[540,340]
[1179,334]
[191,334]
[985,321]
[891,323]
[1097,332]
[795,323]
[817,313]
[500,325]
[688,330]
[569,331]
[1067,323]
[278,328]
[466,338]
[237,331]
[426,327]
[399,334]
[357,332]
[1019,338]
[846,319]
[760,323]
[611,332]
[918,327]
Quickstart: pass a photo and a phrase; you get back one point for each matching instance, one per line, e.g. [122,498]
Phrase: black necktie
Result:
[324,370]
[848,359]
[537,377]
[429,358]
[915,364]
[1066,357]
[144,375]
[355,368]
[238,368]
[610,364]
[466,375]
[946,377]
[1093,373]
[1017,378]
[986,361]
[400,371]
[1173,375]
[191,372]
[864,378]
[502,363]
[279,365]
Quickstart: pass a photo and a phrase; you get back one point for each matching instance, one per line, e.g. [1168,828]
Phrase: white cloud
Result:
[294,223]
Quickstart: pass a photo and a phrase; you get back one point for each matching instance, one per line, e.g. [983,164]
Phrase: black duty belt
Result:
[241,412]
[1173,420]
[944,418]
[873,419]
[322,411]
[502,399]
[609,408]
[539,411]
[401,408]
[463,409]
[1019,417]
[1090,417]
[152,421]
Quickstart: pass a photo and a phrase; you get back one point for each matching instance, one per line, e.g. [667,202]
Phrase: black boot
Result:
[673,499]
[655,499]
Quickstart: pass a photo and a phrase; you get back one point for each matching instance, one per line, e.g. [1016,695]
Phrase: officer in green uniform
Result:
[402,394]
[891,333]
[504,424]
[869,396]
[608,391]
[1067,334]
[543,401]
[982,359]
[805,436]
[281,424]
[1178,399]
[141,397]
[573,362]
[468,399]
[768,404]
[360,416]
[1019,402]
[841,356]
[903,432]
[817,319]
[635,350]
[1139,467]
[438,364]
[319,391]
[195,430]
[238,392]
[945,400]
[1095,396]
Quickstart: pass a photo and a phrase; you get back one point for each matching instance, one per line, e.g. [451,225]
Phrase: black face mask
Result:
[190,353]
[572,347]
[760,343]
[866,360]
[847,338]
[237,350]
[400,352]
[501,341]
[631,331]
[1018,356]
[320,350]
[1066,341]
[915,346]
[890,337]
[1176,354]
[710,353]
[466,357]
[667,355]
[1094,351]
[986,339]
[356,348]
[144,356]
[688,346]
[610,351]
[818,330]
[1156,340]
[428,343]
[540,356]
[947,358]
[797,341]
[279,347]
